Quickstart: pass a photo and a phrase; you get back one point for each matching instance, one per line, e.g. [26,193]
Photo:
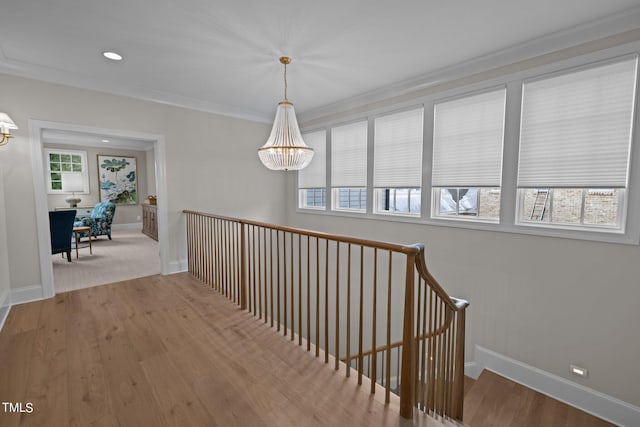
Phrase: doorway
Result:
[42,132]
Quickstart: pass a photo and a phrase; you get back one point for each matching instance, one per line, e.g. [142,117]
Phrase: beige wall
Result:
[211,161]
[125,214]
[548,302]
[4,250]
[151,175]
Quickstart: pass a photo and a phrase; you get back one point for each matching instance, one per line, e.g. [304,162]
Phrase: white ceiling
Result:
[221,55]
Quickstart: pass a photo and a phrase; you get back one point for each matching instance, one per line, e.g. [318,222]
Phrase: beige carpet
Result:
[129,255]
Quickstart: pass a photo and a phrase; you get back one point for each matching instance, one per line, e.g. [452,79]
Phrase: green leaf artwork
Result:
[118,179]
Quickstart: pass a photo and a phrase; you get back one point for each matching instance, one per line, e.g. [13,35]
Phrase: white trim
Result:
[180,266]
[5,306]
[36,128]
[586,399]
[472,370]
[26,294]
[129,226]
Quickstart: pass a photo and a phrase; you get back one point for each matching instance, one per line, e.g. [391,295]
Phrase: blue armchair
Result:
[61,228]
[100,220]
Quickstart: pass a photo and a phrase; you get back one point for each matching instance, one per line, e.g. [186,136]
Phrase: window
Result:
[468,135]
[397,165]
[62,162]
[575,140]
[543,154]
[312,180]
[349,167]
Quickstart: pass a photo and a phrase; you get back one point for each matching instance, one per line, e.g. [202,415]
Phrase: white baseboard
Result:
[472,370]
[5,307]
[130,226]
[26,294]
[599,404]
[178,266]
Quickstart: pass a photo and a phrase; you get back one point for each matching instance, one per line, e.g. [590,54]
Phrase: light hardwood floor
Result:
[496,401]
[164,350]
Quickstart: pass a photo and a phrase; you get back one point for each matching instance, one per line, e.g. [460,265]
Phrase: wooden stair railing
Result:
[340,295]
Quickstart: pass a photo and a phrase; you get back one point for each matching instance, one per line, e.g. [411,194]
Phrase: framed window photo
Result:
[118,179]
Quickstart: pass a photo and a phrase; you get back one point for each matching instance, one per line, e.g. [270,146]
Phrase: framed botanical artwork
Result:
[118,179]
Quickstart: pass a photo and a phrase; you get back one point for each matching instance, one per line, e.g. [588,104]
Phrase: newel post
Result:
[407,380]
[243,268]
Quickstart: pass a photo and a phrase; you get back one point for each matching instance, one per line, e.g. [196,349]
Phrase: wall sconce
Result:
[6,124]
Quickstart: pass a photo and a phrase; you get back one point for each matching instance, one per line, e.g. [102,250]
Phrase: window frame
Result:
[85,170]
[508,202]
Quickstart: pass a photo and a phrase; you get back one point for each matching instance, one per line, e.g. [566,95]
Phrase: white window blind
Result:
[398,150]
[576,128]
[314,175]
[468,136]
[349,155]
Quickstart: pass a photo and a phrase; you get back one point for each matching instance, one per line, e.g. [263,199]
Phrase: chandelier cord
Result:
[285,82]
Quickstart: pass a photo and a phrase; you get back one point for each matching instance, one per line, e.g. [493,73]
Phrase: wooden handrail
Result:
[405,249]
[254,264]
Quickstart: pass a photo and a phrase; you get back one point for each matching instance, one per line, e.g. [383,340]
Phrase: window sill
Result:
[542,231]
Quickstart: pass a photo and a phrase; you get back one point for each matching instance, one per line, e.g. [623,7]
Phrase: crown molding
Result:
[77,80]
[580,34]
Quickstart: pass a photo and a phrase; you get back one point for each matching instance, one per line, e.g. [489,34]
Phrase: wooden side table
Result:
[76,234]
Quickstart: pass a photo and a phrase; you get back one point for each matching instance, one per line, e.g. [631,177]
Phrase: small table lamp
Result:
[72,182]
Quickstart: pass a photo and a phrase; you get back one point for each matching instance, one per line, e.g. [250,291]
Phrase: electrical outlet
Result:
[577,370]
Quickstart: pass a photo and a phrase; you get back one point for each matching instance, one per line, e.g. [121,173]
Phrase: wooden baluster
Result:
[254,264]
[199,247]
[419,353]
[337,355]
[388,361]
[188,224]
[236,282]
[383,365]
[408,342]
[243,268]
[263,280]
[278,276]
[308,293]
[398,351]
[291,285]
[326,302]
[317,297]
[284,270]
[196,258]
[226,258]
[300,289]
[452,335]
[458,391]
[441,360]
[260,275]
[360,317]
[271,273]
[432,351]
[348,350]
[216,259]
[220,256]
[209,252]
[214,242]
[373,322]
[423,369]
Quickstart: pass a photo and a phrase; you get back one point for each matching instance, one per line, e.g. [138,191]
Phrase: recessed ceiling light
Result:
[112,56]
[105,140]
